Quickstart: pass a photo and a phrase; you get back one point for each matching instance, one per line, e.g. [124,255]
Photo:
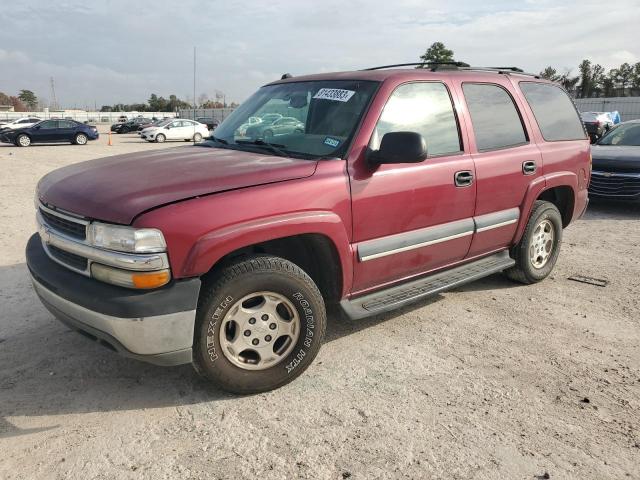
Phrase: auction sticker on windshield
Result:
[337,94]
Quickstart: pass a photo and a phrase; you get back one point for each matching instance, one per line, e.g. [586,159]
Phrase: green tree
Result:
[29,98]
[585,78]
[550,73]
[568,82]
[635,81]
[608,86]
[437,53]
[623,76]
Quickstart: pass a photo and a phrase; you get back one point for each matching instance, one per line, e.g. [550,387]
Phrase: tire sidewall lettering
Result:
[217,315]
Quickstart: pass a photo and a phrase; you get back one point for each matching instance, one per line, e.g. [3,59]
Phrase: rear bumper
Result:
[155,326]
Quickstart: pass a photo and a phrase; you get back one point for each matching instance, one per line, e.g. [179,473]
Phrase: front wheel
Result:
[537,252]
[260,323]
[80,139]
[160,138]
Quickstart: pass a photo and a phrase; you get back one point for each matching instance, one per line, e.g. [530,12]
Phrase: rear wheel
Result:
[197,137]
[160,138]
[537,252]
[260,324]
[80,139]
[23,140]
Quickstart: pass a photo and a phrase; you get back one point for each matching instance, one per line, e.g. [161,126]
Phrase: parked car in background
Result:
[227,255]
[51,131]
[269,118]
[122,118]
[19,123]
[131,125]
[151,123]
[251,121]
[596,124]
[616,164]
[179,129]
[210,122]
[281,126]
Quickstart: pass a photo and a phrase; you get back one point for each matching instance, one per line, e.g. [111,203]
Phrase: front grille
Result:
[68,258]
[614,185]
[68,227]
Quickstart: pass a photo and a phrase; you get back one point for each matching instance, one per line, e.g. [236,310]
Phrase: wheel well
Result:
[563,198]
[313,253]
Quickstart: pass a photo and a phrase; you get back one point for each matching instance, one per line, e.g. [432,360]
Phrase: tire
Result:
[278,297]
[160,138]
[537,252]
[80,139]
[197,137]
[23,140]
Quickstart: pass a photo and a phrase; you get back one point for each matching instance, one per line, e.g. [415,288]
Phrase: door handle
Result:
[463,178]
[529,167]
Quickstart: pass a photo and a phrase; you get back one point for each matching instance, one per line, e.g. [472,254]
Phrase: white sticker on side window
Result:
[336,94]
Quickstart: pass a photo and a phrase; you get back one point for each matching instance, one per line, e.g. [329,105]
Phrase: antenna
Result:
[53,105]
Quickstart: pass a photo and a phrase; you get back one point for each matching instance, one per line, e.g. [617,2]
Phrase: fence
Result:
[218,114]
[628,107]
[82,116]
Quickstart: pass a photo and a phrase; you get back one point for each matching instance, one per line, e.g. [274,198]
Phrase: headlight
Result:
[126,239]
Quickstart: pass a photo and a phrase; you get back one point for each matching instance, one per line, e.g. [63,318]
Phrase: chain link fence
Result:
[628,107]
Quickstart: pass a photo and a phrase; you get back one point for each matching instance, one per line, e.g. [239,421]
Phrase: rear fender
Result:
[536,187]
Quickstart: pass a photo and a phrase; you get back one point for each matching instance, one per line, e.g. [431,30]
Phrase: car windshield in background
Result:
[301,119]
[624,135]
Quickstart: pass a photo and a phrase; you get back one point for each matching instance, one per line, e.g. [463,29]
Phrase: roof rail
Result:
[433,66]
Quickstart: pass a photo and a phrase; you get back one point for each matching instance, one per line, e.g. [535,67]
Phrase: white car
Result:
[20,123]
[178,129]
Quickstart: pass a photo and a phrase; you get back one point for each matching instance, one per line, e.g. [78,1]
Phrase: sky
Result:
[121,51]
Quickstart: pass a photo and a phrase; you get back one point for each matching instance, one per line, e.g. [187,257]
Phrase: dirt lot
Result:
[493,380]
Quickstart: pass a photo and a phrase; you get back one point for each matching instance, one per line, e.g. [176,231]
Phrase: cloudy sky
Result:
[108,51]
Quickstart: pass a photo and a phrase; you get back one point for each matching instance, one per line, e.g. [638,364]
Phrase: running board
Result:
[394,297]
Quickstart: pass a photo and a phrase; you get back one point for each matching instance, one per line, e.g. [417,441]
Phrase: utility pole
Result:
[54,101]
[194,94]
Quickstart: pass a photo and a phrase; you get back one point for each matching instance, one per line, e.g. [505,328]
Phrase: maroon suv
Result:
[401,183]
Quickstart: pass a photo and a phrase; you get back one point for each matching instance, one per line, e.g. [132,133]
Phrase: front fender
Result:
[213,246]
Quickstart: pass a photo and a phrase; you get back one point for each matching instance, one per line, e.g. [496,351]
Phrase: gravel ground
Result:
[493,380]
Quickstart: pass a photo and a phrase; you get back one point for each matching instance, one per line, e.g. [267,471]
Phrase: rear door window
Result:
[424,108]
[554,111]
[495,118]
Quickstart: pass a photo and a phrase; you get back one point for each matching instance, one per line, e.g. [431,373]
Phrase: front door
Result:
[44,131]
[412,218]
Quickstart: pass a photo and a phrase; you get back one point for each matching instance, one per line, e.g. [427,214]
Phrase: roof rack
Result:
[434,66]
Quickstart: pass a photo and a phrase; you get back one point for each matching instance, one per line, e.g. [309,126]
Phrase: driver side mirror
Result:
[167,127]
[399,147]
[37,127]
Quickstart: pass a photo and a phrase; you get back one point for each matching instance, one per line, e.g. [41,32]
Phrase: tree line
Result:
[591,80]
[25,101]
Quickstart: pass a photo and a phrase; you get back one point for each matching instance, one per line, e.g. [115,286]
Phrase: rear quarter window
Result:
[554,111]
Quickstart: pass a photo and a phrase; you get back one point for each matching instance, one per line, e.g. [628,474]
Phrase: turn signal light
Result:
[129,279]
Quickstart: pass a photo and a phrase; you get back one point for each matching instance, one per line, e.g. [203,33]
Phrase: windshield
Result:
[624,135]
[303,119]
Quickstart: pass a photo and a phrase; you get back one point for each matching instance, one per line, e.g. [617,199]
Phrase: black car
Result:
[51,131]
[616,164]
[210,122]
[130,125]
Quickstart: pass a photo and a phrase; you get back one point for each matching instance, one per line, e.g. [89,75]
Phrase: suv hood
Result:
[616,158]
[117,189]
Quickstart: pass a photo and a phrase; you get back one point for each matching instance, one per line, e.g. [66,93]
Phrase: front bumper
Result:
[155,326]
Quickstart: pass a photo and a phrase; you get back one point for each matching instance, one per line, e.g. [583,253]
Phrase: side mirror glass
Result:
[399,147]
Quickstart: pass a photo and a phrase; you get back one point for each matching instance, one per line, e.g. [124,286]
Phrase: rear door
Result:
[66,131]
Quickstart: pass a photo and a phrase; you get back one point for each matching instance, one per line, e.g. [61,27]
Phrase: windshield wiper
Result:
[273,147]
[219,140]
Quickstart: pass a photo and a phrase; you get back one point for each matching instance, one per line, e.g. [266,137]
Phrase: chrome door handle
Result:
[529,167]
[463,178]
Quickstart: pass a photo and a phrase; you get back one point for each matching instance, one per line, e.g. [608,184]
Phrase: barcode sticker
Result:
[336,94]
